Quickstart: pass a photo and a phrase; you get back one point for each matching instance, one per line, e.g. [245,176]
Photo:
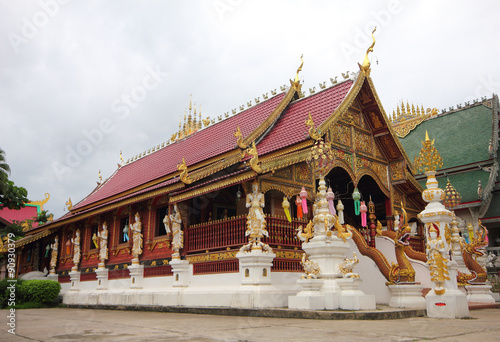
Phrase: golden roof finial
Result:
[69,204]
[100,177]
[299,69]
[199,120]
[366,62]
[41,202]
[429,158]
[190,101]
[121,157]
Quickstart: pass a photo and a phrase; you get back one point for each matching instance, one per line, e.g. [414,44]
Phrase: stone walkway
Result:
[60,324]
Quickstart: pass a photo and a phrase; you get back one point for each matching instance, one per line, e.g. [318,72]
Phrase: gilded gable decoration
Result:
[239,140]
[363,142]
[184,173]
[341,134]
[313,132]
[406,119]
[254,162]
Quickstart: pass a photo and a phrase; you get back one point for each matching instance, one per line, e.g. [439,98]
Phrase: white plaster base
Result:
[479,294]
[180,269]
[74,277]
[407,296]
[255,267]
[451,304]
[352,298]
[53,276]
[136,276]
[310,298]
[102,278]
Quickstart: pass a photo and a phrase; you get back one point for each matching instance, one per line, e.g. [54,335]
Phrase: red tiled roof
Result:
[27,212]
[205,144]
[290,127]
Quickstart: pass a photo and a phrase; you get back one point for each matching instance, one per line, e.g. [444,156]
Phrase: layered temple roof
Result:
[278,129]
[467,139]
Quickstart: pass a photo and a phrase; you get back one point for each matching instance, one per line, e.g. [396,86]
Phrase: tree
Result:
[11,196]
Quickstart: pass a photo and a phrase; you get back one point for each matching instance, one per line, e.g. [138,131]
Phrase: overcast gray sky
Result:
[82,80]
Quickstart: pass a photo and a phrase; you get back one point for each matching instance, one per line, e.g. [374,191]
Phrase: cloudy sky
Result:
[82,80]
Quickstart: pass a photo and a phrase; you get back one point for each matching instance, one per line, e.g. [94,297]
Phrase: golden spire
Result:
[366,62]
[199,120]
[190,107]
[429,158]
[121,158]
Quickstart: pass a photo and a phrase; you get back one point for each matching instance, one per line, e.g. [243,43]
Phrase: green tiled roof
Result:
[465,183]
[494,208]
[461,137]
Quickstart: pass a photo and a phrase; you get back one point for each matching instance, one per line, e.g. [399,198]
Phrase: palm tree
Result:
[4,167]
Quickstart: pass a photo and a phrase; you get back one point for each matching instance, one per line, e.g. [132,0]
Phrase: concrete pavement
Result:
[64,324]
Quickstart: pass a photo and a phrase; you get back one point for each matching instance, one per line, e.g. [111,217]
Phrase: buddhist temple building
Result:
[173,219]
[468,139]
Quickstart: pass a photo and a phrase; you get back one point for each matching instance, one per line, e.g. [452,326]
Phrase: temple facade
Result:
[174,218]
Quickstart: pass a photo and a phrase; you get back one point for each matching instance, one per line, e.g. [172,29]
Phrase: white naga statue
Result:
[103,244]
[177,233]
[256,221]
[136,238]
[53,255]
[76,250]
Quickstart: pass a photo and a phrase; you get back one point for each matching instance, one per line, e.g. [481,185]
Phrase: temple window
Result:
[124,230]
[160,226]
[93,237]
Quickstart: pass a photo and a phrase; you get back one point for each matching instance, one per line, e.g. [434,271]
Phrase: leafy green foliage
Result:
[11,196]
[31,293]
[40,291]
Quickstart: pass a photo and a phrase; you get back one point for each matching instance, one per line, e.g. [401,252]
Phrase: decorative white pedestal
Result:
[352,298]
[310,298]
[136,276]
[479,293]
[329,252]
[74,277]
[407,296]
[255,267]
[102,278]
[53,276]
[180,269]
[451,304]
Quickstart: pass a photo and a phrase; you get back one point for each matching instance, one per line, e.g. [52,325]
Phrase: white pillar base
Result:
[479,293]
[255,267]
[74,277]
[180,269]
[310,298]
[451,304]
[136,276]
[407,296]
[352,298]
[53,276]
[102,278]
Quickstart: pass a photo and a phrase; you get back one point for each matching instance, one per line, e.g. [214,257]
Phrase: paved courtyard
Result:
[61,324]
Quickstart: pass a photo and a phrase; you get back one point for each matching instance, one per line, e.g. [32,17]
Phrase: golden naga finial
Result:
[296,83]
[100,177]
[239,142]
[366,62]
[69,204]
[313,132]
[184,173]
[254,162]
[206,121]
[121,158]
[299,69]
[429,158]
[41,202]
